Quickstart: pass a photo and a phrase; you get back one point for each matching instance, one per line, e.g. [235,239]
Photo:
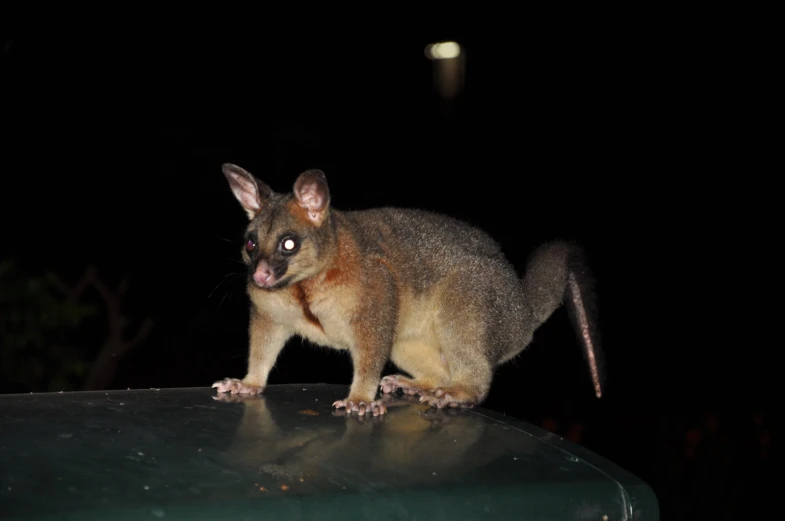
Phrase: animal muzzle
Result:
[264,274]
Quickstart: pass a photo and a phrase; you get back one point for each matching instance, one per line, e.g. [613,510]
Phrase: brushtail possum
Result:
[431,293]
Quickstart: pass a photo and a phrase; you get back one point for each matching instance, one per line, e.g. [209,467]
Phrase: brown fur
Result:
[432,294]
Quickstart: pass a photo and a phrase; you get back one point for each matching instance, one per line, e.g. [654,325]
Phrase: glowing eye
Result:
[288,245]
[250,245]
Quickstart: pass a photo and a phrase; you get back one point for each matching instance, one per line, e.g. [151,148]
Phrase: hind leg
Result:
[423,360]
[467,342]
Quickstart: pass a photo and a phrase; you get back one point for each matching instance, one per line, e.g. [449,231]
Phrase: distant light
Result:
[442,50]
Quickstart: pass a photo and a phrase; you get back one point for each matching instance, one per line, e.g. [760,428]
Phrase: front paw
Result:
[361,406]
[236,386]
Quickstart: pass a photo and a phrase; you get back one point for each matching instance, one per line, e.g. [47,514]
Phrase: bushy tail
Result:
[557,273]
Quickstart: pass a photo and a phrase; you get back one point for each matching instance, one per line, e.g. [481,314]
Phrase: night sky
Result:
[112,148]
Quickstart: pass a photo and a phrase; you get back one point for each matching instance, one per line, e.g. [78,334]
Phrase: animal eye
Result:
[289,245]
[250,245]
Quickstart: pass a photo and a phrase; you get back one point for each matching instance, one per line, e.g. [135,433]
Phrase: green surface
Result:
[186,454]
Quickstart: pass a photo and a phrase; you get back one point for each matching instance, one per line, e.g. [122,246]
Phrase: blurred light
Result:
[443,50]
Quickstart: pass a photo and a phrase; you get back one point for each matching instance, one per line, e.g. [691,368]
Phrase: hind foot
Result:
[453,396]
[391,383]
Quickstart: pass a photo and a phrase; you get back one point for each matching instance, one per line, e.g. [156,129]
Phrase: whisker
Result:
[226,277]
[224,298]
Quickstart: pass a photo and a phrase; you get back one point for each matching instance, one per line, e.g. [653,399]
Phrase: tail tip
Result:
[598,389]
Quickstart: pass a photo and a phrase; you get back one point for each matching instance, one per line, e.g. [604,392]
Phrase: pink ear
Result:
[249,191]
[312,193]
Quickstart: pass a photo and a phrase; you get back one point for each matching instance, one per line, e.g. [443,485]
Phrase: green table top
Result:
[189,454]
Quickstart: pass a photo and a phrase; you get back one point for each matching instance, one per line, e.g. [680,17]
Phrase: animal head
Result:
[289,235]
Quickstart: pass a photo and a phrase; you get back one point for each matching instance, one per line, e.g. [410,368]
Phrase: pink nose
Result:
[263,274]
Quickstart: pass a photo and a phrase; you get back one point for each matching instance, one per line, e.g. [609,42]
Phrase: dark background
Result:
[112,147]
